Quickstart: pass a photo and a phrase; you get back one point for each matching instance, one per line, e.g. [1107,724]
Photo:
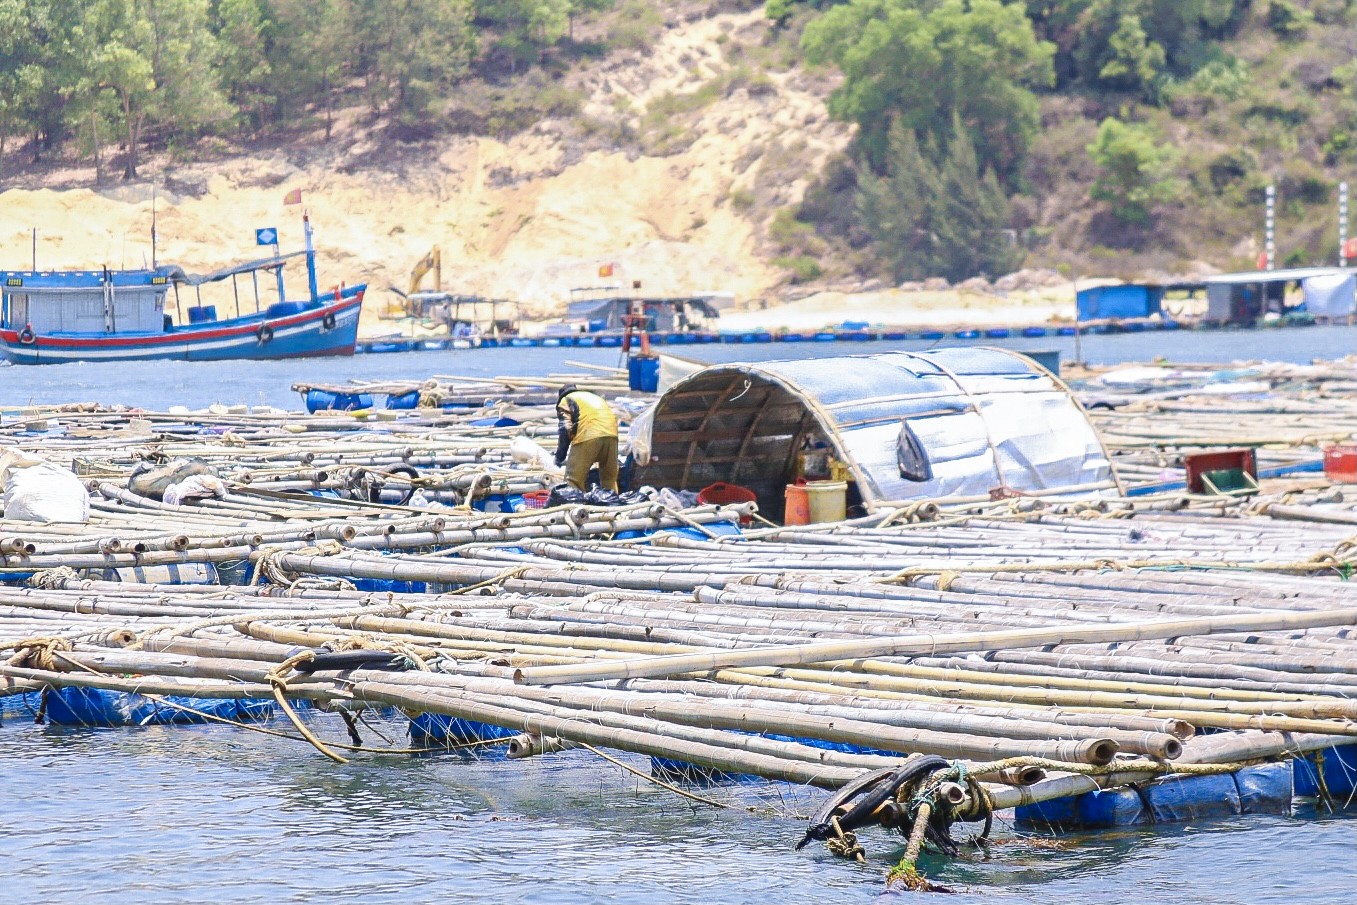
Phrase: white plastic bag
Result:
[195,487]
[527,451]
[45,493]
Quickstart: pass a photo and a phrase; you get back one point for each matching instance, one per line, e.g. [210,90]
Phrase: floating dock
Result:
[1049,661]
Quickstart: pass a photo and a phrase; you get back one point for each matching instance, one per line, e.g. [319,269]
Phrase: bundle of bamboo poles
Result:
[1089,640]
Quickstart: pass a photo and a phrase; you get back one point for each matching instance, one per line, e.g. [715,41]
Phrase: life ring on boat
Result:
[26,335]
[328,321]
[265,333]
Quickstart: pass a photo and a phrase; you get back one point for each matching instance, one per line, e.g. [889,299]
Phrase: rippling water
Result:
[195,384]
[211,814]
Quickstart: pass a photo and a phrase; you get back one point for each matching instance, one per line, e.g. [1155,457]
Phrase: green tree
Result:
[159,58]
[246,75]
[896,208]
[972,215]
[310,49]
[934,211]
[411,52]
[928,62]
[40,65]
[1133,61]
[1134,170]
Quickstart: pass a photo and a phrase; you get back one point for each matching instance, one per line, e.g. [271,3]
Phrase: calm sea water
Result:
[197,384]
[211,814]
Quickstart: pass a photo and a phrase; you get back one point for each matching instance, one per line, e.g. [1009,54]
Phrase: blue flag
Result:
[266,236]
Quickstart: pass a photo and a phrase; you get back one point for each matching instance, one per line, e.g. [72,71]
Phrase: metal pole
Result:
[35,249]
[1269,234]
[1342,224]
[1078,330]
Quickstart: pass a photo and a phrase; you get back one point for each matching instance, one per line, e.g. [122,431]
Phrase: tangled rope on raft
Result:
[269,566]
[431,396]
[921,799]
[39,653]
[55,579]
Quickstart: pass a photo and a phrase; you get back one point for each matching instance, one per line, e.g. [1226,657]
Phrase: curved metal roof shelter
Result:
[908,425]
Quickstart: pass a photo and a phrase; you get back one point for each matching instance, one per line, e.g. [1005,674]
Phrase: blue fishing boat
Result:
[52,317]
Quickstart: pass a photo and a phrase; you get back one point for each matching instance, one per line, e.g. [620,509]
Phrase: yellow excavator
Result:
[433,261]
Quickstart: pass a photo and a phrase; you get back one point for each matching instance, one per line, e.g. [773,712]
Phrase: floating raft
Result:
[1061,664]
[849,332]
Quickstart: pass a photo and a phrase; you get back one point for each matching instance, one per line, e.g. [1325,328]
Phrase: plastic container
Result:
[827,501]
[643,373]
[797,509]
[536,499]
[1340,464]
[200,314]
[721,494]
[323,400]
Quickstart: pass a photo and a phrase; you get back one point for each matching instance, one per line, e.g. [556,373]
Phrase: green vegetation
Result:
[168,72]
[993,133]
[1134,170]
[989,134]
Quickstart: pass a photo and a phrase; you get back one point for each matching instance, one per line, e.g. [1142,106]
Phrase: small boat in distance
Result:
[52,317]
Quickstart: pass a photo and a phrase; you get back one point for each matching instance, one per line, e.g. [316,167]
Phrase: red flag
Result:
[1350,249]
[1262,260]
[605,270]
[293,197]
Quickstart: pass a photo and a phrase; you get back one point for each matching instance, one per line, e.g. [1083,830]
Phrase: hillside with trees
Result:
[959,138]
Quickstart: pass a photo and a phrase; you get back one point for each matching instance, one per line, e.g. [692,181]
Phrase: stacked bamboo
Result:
[1091,640]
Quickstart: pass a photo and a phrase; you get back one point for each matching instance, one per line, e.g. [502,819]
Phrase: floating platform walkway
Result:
[934,668]
[849,332]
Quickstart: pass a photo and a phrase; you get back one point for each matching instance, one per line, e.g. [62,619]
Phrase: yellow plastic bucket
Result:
[827,501]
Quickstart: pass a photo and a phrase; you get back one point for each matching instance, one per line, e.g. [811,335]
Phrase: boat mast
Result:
[310,257]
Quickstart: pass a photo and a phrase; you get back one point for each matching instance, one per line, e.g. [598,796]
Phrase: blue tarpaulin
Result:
[1129,301]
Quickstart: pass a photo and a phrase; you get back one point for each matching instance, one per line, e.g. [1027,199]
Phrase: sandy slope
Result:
[529,219]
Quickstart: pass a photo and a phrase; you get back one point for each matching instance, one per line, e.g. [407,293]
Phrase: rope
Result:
[659,782]
[845,845]
[269,566]
[278,682]
[53,579]
[431,396]
[39,653]
[502,577]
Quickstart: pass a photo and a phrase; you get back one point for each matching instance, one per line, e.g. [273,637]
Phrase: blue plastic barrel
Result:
[643,374]
[324,400]
[200,314]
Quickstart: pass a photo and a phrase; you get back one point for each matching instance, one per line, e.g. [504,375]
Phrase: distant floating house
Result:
[1243,298]
[663,315]
[922,425]
[1126,301]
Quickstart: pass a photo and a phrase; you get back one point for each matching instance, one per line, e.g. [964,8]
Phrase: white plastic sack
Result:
[45,493]
[527,451]
[14,459]
[195,487]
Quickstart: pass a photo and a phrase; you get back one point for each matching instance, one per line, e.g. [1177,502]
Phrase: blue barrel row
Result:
[613,340]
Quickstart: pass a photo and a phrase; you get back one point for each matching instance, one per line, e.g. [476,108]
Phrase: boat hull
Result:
[331,329]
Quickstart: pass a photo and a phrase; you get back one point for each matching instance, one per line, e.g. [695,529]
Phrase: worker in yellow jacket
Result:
[586,436]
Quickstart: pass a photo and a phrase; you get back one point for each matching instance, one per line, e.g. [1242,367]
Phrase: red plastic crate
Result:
[536,499]
[1340,464]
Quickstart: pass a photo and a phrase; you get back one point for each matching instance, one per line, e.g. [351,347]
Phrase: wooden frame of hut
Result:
[905,425]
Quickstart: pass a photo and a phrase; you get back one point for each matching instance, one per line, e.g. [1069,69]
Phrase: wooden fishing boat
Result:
[51,317]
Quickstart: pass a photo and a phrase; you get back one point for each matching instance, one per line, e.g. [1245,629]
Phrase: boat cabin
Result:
[92,301]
